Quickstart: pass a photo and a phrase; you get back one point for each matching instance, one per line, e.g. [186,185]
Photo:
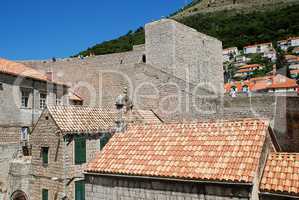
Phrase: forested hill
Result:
[233,28]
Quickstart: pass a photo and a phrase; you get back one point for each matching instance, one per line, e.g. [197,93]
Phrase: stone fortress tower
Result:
[185,53]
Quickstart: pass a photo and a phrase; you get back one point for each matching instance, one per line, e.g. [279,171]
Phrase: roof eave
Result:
[170,179]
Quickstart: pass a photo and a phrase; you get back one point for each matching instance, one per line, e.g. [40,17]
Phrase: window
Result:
[24,133]
[45,155]
[42,100]
[79,190]
[58,100]
[25,97]
[45,195]
[1,86]
[144,58]
[80,150]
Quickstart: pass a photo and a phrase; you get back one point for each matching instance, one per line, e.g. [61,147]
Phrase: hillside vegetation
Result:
[233,29]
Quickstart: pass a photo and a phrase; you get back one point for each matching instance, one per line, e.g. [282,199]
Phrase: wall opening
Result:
[144,58]
[19,195]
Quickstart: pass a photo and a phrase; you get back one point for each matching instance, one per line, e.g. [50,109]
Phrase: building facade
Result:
[212,160]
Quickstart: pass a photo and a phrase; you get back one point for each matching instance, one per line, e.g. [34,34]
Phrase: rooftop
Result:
[227,151]
[19,69]
[89,120]
[82,119]
[281,174]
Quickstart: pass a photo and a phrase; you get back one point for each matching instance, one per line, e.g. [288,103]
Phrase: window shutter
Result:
[79,190]
[44,194]
[45,152]
[80,150]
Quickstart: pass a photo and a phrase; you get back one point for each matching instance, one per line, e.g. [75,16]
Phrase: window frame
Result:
[80,155]
[42,100]
[45,194]
[45,160]
[25,130]
[79,185]
[25,95]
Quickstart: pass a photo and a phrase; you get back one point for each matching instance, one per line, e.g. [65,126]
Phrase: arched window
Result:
[19,195]
[144,58]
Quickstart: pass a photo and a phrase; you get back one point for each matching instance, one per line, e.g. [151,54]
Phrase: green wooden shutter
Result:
[45,155]
[44,194]
[79,190]
[80,150]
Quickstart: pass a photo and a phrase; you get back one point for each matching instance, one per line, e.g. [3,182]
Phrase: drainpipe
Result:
[64,167]
[33,102]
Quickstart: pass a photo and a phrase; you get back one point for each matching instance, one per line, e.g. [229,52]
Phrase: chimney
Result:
[123,106]
[49,75]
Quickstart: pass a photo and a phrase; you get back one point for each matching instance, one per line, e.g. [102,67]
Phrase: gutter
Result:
[279,195]
[169,179]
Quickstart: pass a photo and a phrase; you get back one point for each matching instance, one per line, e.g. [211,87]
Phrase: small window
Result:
[144,58]
[58,100]
[45,194]
[42,100]
[80,150]
[25,93]
[79,190]
[24,133]
[45,155]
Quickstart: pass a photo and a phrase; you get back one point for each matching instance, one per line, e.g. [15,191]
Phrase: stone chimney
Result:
[123,106]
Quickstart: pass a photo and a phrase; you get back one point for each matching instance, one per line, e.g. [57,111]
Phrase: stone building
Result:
[24,93]
[209,160]
[64,139]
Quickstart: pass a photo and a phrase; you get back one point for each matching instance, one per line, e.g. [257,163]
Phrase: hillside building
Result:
[230,53]
[258,48]
[289,42]
[269,84]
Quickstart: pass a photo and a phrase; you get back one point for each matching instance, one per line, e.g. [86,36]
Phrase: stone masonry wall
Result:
[115,188]
[45,134]
[185,53]
[61,164]
[7,152]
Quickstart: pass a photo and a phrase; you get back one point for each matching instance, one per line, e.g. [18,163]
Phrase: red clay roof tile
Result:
[281,174]
[222,151]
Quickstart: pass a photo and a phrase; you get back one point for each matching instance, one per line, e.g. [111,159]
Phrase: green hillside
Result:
[232,28]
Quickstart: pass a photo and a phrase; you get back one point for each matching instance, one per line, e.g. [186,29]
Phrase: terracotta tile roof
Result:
[250,66]
[221,151]
[19,69]
[145,116]
[280,81]
[81,119]
[74,96]
[281,174]
[244,70]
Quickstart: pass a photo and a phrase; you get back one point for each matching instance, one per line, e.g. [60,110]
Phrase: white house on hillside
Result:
[258,48]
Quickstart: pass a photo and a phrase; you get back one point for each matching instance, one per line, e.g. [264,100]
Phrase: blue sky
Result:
[41,29]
